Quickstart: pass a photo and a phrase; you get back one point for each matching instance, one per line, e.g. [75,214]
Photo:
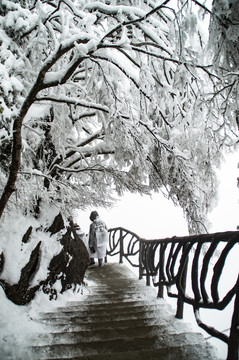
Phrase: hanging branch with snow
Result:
[101,98]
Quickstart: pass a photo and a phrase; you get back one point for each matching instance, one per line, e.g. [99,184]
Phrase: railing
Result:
[191,268]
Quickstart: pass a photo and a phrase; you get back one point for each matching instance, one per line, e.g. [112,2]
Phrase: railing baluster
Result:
[147,268]
[140,261]
[195,270]
[168,265]
[204,271]
[180,303]
[121,247]
[218,271]
[161,270]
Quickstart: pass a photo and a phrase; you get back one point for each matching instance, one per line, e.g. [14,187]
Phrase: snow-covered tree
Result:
[105,96]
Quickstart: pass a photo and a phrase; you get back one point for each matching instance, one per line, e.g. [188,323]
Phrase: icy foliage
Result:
[112,96]
[224,33]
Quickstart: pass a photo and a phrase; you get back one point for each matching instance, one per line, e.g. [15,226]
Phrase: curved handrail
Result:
[124,243]
[190,268]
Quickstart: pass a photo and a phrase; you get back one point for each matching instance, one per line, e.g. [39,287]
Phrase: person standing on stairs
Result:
[98,239]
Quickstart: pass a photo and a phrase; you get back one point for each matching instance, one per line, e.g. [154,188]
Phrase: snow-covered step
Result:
[112,307]
[117,319]
[90,335]
[118,314]
[91,326]
[86,348]
[104,313]
[174,353]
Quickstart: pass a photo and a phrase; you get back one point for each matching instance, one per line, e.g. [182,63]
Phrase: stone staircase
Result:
[120,319]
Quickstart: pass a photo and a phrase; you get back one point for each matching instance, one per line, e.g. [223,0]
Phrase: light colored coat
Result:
[98,238]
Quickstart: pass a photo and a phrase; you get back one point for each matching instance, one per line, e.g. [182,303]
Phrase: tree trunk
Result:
[15,164]
[17,145]
[16,158]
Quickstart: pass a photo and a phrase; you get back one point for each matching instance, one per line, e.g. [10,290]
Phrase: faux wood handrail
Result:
[183,265]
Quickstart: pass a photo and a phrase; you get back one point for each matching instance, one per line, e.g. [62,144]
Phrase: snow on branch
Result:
[71,151]
[81,53]
[202,6]
[85,114]
[136,45]
[132,75]
[48,177]
[100,149]
[130,11]
[74,101]
[165,143]
[76,12]
[177,61]
[136,16]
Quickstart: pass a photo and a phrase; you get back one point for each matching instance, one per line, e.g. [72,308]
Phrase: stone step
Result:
[114,283]
[118,318]
[114,319]
[106,334]
[116,345]
[114,306]
[118,290]
[104,315]
[109,271]
[104,283]
[173,353]
[113,298]
[65,326]
[114,294]
[119,286]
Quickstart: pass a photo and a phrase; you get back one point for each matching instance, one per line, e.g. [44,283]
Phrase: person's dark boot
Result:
[100,261]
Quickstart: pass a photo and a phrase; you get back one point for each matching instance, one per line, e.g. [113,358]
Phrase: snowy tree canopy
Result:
[105,96]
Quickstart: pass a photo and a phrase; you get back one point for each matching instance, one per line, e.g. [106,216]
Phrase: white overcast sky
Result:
[157,217]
